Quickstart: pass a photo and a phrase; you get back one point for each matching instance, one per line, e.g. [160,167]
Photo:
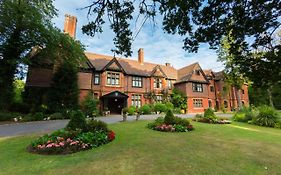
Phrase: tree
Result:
[179,99]
[233,76]
[198,21]
[67,57]
[23,25]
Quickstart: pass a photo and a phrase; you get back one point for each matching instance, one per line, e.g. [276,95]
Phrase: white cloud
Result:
[158,47]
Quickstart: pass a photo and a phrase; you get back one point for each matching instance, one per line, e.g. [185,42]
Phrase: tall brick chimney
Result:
[70,25]
[140,55]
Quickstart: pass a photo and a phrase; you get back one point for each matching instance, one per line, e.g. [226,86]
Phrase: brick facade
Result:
[107,75]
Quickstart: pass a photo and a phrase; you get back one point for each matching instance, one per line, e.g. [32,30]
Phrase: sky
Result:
[158,46]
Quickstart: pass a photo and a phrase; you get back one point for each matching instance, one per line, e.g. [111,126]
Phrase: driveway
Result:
[17,129]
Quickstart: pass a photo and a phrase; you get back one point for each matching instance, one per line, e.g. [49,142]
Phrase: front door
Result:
[115,105]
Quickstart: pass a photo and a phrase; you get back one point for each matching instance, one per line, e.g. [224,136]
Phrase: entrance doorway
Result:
[114,102]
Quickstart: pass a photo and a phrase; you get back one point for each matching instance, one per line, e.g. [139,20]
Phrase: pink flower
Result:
[49,146]
[69,140]
[61,144]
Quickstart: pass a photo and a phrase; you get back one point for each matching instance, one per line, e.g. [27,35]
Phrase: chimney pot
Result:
[70,25]
[140,56]
[168,64]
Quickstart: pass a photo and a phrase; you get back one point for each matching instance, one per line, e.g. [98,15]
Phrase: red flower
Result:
[110,136]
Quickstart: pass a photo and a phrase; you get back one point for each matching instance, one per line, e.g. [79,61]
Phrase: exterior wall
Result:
[35,75]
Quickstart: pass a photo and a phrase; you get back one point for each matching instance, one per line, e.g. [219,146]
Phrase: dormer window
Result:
[157,83]
[197,72]
[113,78]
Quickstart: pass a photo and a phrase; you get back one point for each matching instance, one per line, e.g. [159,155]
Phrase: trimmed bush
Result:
[77,121]
[169,118]
[132,110]
[157,122]
[209,113]
[145,109]
[267,116]
[160,107]
[96,125]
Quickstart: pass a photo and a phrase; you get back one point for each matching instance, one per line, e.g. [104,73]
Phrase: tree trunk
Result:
[238,97]
[269,92]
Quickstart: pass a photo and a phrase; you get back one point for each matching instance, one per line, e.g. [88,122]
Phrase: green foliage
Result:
[24,25]
[178,99]
[267,116]
[132,110]
[77,121]
[94,139]
[145,109]
[169,118]
[125,111]
[34,116]
[181,121]
[9,116]
[18,90]
[89,105]
[64,90]
[169,105]
[158,121]
[57,116]
[240,117]
[96,125]
[209,113]
[160,107]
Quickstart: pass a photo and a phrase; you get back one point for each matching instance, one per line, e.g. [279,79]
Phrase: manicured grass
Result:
[210,149]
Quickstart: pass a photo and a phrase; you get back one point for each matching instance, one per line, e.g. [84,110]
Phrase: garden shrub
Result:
[93,139]
[239,117]
[181,121]
[96,125]
[9,116]
[169,105]
[160,107]
[158,121]
[77,121]
[267,116]
[56,116]
[209,113]
[169,118]
[34,116]
[89,105]
[176,110]
[145,109]
[132,110]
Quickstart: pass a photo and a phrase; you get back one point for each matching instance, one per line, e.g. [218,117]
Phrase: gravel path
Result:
[8,130]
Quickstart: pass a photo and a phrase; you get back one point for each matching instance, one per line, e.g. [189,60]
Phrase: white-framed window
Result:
[170,84]
[113,78]
[96,79]
[197,103]
[159,98]
[136,100]
[197,87]
[136,81]
[157,83]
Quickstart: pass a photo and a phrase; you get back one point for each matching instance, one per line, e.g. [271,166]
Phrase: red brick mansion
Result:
[122,82]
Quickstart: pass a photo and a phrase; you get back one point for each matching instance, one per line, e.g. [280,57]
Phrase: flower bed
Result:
[171,124]
[79,135]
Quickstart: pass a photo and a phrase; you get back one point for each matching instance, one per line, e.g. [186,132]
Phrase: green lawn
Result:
[210,149]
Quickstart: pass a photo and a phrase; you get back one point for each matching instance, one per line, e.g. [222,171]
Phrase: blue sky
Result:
[158,46]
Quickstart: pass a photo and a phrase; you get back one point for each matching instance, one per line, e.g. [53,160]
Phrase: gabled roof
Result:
[187,74]
[130,66]
[158,72]
[113,65]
